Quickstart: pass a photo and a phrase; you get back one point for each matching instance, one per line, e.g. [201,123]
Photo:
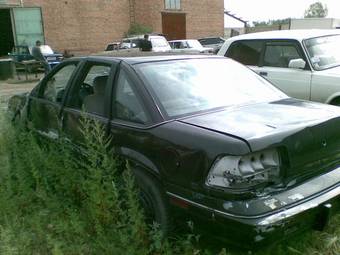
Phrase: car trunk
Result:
[306,133]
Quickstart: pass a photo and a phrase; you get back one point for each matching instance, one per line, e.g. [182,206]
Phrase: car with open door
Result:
[304,64]
[205,137]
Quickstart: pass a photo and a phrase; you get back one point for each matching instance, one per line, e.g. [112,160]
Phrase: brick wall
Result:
[148,12]
[203,17]
[83,26]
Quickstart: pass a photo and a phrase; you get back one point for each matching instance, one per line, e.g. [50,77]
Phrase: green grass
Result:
[52,202]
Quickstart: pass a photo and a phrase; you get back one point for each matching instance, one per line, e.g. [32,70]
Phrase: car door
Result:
[88,98]
[274,67]
[45,103]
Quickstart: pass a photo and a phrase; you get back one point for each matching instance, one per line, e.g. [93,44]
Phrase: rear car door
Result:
[45,103]
[88,97]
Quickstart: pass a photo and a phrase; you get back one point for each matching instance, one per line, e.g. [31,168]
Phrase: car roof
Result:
[298,34]
[150,58]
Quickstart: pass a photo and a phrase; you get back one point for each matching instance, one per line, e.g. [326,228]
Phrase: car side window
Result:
[89,91]
[245,52]
[55,86]
[127,105]
[279,55]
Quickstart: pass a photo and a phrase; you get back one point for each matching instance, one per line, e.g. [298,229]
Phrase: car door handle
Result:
[263,73]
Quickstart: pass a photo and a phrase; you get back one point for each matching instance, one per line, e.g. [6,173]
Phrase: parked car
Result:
[159,43]
[212,42]
[112,46]
[22,53]
[303,63]
[205,136]
[189,46]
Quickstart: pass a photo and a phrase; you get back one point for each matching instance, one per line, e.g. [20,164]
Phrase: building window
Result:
[172,4]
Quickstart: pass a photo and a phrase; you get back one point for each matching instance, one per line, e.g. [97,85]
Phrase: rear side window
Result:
[245,52]
[127,105]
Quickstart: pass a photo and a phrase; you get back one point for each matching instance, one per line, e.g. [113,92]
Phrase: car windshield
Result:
[194,44]
[324,51]
[159,42]
[189,86]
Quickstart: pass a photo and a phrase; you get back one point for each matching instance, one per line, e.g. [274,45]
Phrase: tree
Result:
[316,10]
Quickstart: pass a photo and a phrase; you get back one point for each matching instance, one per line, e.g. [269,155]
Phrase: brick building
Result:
[83,26]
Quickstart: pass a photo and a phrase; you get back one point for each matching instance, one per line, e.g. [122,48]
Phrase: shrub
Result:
[55,201]
[138,29]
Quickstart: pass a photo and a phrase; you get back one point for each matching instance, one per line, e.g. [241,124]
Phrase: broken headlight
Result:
[245,171]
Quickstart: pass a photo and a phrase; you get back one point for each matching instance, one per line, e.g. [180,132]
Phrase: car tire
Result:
[335,101]
[153,200]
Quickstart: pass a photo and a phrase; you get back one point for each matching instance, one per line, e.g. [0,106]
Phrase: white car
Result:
[158,42]
[189,46]
[304,64]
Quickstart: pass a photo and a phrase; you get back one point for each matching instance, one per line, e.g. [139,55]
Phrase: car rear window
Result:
[207,41]
[184,87]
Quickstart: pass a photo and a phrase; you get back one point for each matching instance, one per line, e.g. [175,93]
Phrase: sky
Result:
[263,10]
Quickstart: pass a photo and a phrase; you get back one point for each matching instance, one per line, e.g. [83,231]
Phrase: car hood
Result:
[335,71]
[306,131]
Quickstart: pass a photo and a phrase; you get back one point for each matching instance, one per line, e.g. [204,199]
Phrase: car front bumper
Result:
[269,218]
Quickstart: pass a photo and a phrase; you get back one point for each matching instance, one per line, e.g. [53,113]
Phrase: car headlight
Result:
[245,171]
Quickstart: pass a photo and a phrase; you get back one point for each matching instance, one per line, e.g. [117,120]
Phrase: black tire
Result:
[153,200]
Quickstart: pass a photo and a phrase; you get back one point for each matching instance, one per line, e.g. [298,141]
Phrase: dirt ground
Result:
[15,86]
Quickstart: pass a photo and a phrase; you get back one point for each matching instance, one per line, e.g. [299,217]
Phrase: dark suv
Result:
[219,144]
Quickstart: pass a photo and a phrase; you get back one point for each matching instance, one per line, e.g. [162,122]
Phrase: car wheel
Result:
[153,200]
[335,101]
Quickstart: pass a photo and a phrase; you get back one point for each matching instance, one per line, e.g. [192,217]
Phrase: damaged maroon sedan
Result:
[205,136]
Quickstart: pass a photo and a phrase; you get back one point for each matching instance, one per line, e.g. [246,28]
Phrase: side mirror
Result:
[298,63]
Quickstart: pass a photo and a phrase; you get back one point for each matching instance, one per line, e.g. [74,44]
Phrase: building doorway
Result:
[20,27]
[174,25]
[6,32]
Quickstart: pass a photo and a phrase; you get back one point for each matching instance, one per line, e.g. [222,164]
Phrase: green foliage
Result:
[316,10]
[138,29]
[70,204]
[271,22]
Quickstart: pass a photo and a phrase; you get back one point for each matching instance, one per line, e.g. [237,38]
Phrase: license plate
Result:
[51,58]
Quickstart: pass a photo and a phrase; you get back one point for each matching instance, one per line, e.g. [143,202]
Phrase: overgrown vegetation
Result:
[54,202]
